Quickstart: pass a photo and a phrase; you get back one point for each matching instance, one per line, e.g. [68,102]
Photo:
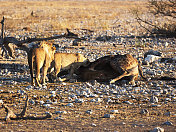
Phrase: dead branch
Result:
[70,33]
[4,41]
[161,7]
[10,115]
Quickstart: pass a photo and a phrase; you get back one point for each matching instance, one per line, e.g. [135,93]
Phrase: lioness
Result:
[112,67]
[40,57]
[67,61]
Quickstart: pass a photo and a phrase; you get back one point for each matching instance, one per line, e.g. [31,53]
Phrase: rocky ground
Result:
[96,106]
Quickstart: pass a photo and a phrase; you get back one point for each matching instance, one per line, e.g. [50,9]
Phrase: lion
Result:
[67,61]
[40,58]
[113,68]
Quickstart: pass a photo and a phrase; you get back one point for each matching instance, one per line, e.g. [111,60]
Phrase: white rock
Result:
[144,112]
[1,101]
[89,111]
[154,99]
[167,99]
[79,100]
[63,83]
[52,92]
[53,95]
[42,102]
[60,112]
[154,105]
[167,113]
[114,111]
[70,104]
[127,102]
[46,105]
[94,125]
[168,123]
[173,93]
[108,116]
[98,99]
[123,123]
[157,129]
[92,100]
[151,58]
[58,118]
[29,87]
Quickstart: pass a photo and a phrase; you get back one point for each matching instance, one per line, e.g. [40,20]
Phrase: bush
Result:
[164,12]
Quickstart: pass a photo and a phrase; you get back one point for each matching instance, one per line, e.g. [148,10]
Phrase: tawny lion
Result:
[40,58]
[67,61]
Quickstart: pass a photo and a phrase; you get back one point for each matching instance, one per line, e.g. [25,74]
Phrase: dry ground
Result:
[54,17]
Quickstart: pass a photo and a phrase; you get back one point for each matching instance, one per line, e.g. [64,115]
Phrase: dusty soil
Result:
[72,110]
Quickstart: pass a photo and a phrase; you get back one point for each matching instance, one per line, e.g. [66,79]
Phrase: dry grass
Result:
[58,15]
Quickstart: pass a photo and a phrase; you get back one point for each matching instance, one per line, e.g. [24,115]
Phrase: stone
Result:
[144,112]
[60,112]
[79,101]
[168,123]
[94,125]
[70,104]
[89,112]
[42,102]
[167,113]
[154,99]
[157,129]
[152,52]
[1,101]
[151,58]
[114,111]
[173,93]
[127,102]
[108,116]
[46,105]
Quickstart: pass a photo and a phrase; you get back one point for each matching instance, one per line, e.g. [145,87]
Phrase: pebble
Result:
[157,129]
[123,123]
[127,102]
[168,123]
[46,105]
[42,102]
[89,112]
[94,125]
[144,112]
[154,99]
[167,113]
[1,101]
[154,105]
[79,100]
[173,93]
[58,118]
[114,111]
[70,104]
[151,58]
[60,112]
[108,116]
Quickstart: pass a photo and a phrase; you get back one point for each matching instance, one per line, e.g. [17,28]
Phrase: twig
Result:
[12,116]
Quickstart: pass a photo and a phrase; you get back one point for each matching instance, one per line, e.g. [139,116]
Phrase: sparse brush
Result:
[57,15]
[161,20]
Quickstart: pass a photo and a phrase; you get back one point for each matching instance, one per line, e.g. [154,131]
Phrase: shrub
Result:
[164,14]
